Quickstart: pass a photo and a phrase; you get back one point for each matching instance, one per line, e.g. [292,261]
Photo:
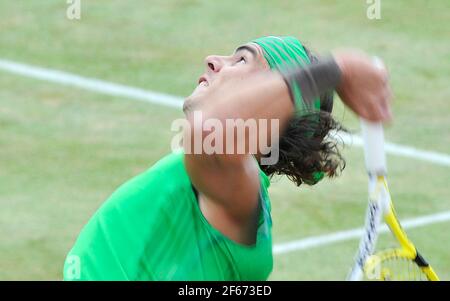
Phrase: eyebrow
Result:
[248,48]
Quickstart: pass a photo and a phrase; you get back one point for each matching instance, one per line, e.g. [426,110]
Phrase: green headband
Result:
[283,53]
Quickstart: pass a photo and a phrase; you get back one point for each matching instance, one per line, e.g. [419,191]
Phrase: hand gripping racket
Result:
[403,262]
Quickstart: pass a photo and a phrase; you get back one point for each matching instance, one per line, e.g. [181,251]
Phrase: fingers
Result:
[380,109]
[373,112]
[382,112]
[377,107]
[385,98]
[386,103]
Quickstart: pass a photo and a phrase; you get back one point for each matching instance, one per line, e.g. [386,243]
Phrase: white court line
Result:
[321,240]
[91,84]
[401,150]
[108,88]
[113,89]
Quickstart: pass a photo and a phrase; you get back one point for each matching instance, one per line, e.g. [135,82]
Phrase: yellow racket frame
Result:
[406,251]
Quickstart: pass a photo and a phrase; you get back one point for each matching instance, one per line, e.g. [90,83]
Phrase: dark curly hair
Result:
[303,147]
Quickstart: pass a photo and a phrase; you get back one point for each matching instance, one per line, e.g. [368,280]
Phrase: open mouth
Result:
[203,82]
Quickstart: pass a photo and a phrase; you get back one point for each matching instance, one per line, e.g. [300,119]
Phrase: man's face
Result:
[221,70]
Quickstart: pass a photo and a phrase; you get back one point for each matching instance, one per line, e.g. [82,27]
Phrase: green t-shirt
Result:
[152,228]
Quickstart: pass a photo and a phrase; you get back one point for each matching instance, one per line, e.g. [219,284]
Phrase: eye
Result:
[241,60]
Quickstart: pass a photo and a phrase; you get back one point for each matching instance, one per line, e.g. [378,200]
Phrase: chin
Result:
[188,104]
[191,100]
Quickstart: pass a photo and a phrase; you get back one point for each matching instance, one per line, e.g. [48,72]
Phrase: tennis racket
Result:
[403,262]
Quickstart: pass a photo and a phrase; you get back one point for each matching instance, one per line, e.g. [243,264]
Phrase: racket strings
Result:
[401,269]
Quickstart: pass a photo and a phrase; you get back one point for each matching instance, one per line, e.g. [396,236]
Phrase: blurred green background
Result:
[64,150]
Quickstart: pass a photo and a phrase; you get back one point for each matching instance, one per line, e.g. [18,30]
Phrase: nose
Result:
[214,63]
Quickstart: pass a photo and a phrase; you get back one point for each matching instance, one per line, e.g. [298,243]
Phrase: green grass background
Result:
[63,150]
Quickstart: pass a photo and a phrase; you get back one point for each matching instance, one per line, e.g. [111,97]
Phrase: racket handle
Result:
[378,62]
[373,139]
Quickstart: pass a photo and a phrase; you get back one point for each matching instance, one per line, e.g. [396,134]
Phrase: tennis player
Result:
[203,216]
